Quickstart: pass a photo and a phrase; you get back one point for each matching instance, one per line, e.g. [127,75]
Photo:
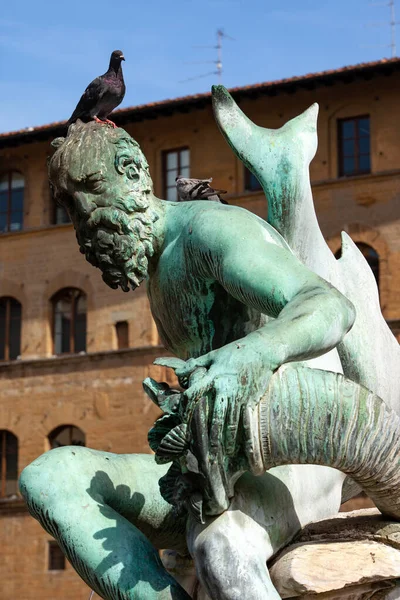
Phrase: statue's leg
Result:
[230,553]
[103,509]
[231,550]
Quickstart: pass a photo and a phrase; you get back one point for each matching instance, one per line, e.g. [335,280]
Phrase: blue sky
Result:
[49,52]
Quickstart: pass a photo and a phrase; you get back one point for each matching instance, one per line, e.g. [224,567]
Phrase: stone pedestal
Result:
[353,556]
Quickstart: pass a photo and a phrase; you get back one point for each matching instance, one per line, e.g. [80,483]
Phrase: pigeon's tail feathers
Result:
[202,190]
[74,117]
[212,192]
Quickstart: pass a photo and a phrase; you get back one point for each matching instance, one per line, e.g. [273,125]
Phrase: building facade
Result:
[73,352]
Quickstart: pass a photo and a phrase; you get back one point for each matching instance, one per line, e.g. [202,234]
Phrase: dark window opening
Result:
[175,162]
[59,213]
[10,328]
[56,557]
[370,255]
[69,321]
[251,183]
[66,435]
[11,201]
[8,463]
[122,331]
[354,146]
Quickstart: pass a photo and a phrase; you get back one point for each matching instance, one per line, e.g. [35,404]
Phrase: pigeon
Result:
[102,95]
[197,189]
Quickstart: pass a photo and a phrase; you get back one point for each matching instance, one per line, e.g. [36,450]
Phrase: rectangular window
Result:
[354,146]
[175,162]
[251,183]
[56,560]
[122,331]
[60,215]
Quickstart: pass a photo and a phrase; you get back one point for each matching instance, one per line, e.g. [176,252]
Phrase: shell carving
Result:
[173,445]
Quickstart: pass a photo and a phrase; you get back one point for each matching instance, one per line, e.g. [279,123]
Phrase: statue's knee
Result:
[38,481]
[206,548]
[226,573]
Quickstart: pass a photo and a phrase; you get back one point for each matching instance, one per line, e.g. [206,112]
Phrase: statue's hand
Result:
[235,376]
[220,385]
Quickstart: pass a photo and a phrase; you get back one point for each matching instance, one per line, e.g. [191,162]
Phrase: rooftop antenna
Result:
[392,23]
[221,35]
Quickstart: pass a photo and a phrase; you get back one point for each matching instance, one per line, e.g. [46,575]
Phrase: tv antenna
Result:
[221,35]
[392,23]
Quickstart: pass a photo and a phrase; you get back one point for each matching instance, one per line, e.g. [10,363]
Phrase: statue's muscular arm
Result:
[310,316]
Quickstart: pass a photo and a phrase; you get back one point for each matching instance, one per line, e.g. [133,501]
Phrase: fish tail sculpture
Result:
[350,422]
[306,416]
[310,416]
[280,159]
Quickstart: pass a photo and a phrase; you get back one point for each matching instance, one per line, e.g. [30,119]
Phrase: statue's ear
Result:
[125,165]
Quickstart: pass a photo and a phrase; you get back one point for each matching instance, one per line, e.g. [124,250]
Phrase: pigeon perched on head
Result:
[102,95]
[197,189]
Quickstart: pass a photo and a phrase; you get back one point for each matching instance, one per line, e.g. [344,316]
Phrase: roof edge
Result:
[153,109]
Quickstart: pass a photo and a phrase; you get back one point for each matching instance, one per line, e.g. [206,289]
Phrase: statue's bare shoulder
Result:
[217,226]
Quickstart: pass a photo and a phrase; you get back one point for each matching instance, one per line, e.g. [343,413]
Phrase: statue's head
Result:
[102,178]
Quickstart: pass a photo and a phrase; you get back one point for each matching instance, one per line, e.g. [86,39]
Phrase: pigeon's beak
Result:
[122,57]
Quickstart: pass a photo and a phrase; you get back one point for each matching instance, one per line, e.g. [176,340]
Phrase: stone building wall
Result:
[100,391]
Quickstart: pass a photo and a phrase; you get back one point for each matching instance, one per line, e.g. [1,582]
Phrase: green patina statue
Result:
[261,336]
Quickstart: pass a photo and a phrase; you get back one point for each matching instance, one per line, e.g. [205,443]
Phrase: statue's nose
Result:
[83,206]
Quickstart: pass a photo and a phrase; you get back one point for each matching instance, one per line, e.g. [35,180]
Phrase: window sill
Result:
[78,358]
[12,505]
[30,230]
[250,194]
[350,178]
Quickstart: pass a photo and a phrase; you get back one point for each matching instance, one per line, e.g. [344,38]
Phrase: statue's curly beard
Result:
[118,244]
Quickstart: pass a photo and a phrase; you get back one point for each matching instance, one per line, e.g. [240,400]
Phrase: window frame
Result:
[356,155]
[54,433]
[53,544]
[122,334]
[3,463]
[164,177]
[55,206]
[9,212]
[75,299]
[7,331]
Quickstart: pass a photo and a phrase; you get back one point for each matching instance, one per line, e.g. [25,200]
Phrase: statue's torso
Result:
[195,316]
[193,312]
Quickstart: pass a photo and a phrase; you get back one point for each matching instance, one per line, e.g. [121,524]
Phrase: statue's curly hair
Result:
[115,233]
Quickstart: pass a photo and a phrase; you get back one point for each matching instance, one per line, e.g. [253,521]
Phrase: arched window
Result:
[8,463]
[10,328]
[370,255]
[69,321]
[11,201]
[58,213]
[372,258]
[66,435]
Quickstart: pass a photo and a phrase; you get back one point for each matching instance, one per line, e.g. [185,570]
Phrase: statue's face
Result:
[102,178]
